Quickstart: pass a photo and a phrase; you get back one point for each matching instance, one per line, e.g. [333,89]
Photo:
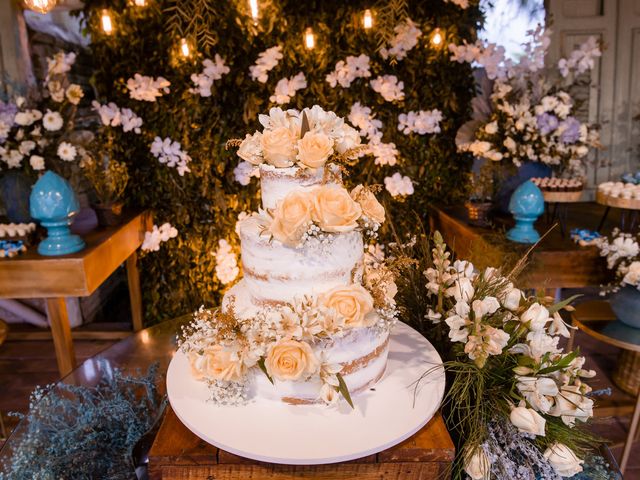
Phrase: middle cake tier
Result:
[274,272]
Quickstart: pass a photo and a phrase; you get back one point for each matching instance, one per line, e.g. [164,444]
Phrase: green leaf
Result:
[562,363]
[554,308]
[342,388]
[264,369]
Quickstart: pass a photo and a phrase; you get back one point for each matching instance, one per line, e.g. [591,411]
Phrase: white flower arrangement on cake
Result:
[288,139]
[622,253]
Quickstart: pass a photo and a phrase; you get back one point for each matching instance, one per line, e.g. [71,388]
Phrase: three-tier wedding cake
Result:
[310,320]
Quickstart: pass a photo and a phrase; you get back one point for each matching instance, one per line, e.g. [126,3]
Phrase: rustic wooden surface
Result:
[177,454]
[617,202]
[556,263]
[31,275]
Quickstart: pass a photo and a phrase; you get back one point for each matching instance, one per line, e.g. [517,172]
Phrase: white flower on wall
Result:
[286,88]
[370,127]
[582,59]
[226,263]
[389,87]
[170,152]
[112,116]
[421,122]
[147,88]
[406,37]
[157,235]
[347,71]
[266,62]
[398,185]
[213,70]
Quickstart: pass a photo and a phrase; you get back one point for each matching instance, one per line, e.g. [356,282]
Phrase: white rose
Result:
[23,119]
[37,162]
[527,420]
[511,300]
[250,149]
[478,466]
[536,316]
[563,460]
[632,276]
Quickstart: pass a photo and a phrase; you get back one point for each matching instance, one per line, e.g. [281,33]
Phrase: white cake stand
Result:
[272,431]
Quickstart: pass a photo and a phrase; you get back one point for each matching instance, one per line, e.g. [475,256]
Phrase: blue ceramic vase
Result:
[625,303]
[54,204]
[526,205]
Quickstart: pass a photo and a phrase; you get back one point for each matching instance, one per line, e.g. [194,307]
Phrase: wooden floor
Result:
[26,364]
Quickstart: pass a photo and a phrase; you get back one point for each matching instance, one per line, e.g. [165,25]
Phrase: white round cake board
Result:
[272,431]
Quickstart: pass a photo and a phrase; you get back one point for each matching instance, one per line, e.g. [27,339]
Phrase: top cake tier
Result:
[276,183]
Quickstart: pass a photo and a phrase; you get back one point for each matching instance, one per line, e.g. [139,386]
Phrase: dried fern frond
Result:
[233,143]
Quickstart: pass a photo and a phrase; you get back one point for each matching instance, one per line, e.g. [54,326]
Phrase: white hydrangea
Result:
[226,263]
[347,71]
[398,185]
[170,152]
[406,37]
[266,62]
[146,88]
[157,235]
[213,70]
[286,88]
[384,153]
[582,59]
[244,171]
[389,87]
[421,122]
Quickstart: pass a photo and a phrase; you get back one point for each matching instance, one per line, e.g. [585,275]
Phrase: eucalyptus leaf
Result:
[342,388]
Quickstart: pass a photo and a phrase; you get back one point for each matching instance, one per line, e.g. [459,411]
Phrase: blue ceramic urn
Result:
[625,303]
[526,205]
[54,204]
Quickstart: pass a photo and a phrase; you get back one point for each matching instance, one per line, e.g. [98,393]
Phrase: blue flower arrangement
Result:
[79,432]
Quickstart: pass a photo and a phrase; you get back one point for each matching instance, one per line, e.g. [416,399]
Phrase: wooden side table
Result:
[179,454]
[596,319]
[31,275]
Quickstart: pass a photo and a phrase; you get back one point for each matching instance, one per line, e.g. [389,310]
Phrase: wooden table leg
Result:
[135,295]
[61,332]
[630,436]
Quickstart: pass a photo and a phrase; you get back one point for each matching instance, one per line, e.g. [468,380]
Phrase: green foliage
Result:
[204,204]
[84,432]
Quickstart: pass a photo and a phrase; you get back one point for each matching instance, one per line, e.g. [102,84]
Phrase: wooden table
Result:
[31,275]
[597,320]
[557,262]
[177,454]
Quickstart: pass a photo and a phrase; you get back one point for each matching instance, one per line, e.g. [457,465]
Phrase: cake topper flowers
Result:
[309,139]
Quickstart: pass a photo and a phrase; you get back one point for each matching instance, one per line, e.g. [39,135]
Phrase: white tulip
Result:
[478,466]
[512,299]
[563,460]
[527,420]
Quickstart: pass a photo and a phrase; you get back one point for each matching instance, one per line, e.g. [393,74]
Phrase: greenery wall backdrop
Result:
[204,204]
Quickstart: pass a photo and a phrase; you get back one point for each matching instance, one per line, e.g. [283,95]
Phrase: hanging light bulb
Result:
[253,5]
[367,19]
[309,39]
[140,3]
[184,48]
[107,24]
[40,6]
[436,38]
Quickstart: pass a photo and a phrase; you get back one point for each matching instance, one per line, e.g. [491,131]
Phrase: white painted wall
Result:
[613,99]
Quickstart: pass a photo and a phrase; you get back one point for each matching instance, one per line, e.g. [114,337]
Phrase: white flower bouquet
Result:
[526,112]
[35,135]
[622,253]
[517,401]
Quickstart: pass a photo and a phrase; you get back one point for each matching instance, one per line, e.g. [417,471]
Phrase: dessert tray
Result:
[617,201]
[271,431]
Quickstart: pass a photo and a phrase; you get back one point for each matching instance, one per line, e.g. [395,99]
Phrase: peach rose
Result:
[370,205]
[314,149]
[250,148]
[291,218]
[278,146]
[353,302]
[334,210]
[217,362]
[290,360]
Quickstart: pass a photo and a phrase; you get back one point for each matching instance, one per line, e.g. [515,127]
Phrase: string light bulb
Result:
[253,5]
[107,24]
[184,48]
[140,3]
[40,6]
[309,39]
[436,38]
[367,19]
